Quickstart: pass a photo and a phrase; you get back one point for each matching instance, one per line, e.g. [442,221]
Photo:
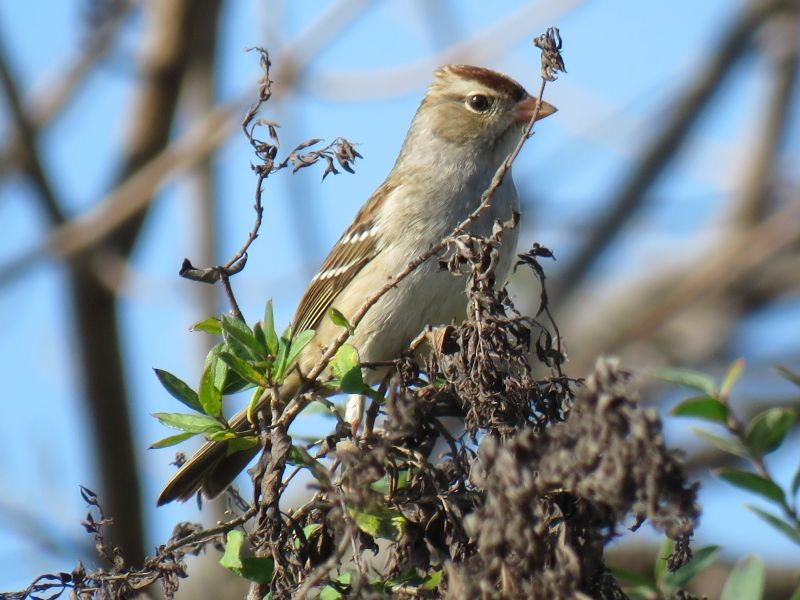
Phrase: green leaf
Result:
[340,320]
[667,546]
[299,342]
[785,528]
[731,377]
[381,522]
[308,531]
[752,483]
[224,379]
[702,559]
[702,407]
[382,485]
[252,568]
[243,368]
[178,389]
[729,445]
[746,580]
[210,395]
[268,327]
[231,559]
[189,423]
[796,481]
[432,581]
[788,375]
[257,568]
[299,456]
[640,584]
[768,429]
[329,593]
[346,370]
[259,333]
[236,329]
[209,325]
[241,443]
[345,360]
[172,440]
[222,436]
[252,405]
[281,362]
[690,379]
[796,594]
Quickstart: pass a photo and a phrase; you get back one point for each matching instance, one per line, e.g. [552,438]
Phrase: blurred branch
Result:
[43,107]
[198,95]
[738,261]
[133,193]
[141,180]
[784,46]
[660,151]
[171,31]
[28,152]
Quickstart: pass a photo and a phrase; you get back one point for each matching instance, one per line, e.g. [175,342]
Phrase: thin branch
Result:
[736,261]
[46,105]
[132,194]
[27,134]
[784,45]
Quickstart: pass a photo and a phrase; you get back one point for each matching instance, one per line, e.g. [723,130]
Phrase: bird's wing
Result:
[357,246]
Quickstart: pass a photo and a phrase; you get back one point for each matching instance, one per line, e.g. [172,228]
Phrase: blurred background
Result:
[667,185]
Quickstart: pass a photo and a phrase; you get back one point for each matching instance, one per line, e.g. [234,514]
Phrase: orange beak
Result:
[524,109]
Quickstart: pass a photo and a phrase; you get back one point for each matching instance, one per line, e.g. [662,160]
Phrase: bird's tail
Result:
[212,469]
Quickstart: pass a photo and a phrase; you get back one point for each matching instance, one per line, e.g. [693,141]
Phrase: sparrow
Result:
[469,121]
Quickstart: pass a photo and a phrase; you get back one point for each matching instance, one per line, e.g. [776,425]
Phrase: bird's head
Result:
[469,105]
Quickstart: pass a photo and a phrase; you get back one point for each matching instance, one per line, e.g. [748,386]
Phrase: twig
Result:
[317,575]
[27,135]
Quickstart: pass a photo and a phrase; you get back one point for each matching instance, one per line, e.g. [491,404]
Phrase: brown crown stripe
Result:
[491,79]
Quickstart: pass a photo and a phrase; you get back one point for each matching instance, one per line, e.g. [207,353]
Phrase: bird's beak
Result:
[524,109]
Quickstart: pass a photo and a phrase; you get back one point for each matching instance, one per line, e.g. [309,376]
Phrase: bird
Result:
[466,125]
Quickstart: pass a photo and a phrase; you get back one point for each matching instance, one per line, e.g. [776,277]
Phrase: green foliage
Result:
[380,522]
[702,407]
[752,483]
[189,423]
[664,583]
[347,376]
[768,429]
[246,358]
[340,320]
[210,325]
[690,379]
[763,434]
[179,389]
[788,375]
[746,580]
[209,394]
[671,581]
[257,569]
[790,530]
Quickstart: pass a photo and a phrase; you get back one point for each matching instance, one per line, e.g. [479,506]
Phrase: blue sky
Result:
[626,61]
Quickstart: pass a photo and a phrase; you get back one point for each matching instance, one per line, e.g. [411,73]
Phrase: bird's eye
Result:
[478,102]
